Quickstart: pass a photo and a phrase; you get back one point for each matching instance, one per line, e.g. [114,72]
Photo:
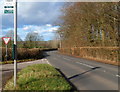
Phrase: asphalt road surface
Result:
[85,74]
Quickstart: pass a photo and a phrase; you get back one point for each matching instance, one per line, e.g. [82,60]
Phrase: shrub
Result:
[23,53]
[100,53]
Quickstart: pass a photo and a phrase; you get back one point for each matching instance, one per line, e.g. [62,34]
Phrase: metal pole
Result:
[15,43]
[6,52]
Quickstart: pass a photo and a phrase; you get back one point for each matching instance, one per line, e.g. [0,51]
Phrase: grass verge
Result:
[39,77]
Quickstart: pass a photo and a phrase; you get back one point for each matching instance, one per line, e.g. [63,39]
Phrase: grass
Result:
[39,77]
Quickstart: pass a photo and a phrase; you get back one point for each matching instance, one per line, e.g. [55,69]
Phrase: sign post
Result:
[15,43]
[6,53]
[10,7]
[6,41]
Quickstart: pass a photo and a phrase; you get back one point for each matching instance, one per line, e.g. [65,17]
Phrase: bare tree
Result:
[90,24]
[32,40]
[10,33]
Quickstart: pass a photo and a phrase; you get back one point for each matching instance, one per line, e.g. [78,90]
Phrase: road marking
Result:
[118,75]
[1,89]
[104,71]
[55,58]
[66,58]
[85,65]
[58,56]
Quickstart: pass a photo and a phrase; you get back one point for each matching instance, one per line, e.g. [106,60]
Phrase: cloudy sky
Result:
[38,17]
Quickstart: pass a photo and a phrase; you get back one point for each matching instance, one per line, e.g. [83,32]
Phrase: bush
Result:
[99,53]
[23,53]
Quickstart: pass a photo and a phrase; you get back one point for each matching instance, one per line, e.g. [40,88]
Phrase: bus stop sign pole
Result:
[15,43]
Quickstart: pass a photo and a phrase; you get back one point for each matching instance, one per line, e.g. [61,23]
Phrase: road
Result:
[85,74]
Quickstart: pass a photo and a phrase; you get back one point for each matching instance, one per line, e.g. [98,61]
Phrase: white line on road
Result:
[58,56]
[118,75]
[1,89]
[85,64]
[66,58]
[104,71]
[55,58]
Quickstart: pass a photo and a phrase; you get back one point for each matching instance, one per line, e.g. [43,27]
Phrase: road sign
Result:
[8,11]
[9,0]
[6,40]
[8,4]
[8,7]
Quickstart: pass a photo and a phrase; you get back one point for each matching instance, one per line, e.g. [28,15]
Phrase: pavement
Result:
[85,74]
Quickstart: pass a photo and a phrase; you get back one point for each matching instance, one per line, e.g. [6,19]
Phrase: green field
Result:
[39,77]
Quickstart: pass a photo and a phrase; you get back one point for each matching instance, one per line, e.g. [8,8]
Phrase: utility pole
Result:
[15,43]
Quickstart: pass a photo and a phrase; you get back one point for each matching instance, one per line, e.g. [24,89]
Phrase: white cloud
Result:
[33,13]
[27,27]
[38,13]
[46,31]
[1,8]
[48,25]
[53,29]
[41,29]
[35,31]
[1,11]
